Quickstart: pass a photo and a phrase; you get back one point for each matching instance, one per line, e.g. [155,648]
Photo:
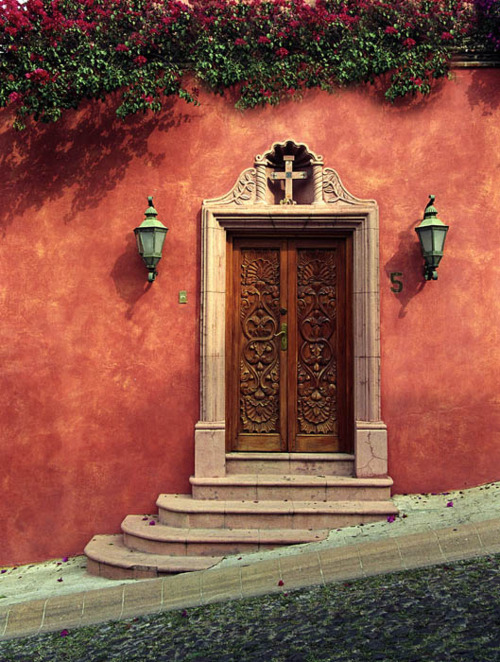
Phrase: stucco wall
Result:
[99,372]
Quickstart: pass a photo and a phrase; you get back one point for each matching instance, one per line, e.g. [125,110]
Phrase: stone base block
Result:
[210,449]
[371,449]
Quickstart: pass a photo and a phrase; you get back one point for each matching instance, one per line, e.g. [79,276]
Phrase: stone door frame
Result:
[247,208]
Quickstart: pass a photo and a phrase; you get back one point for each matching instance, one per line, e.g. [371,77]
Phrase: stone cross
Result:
[288,176]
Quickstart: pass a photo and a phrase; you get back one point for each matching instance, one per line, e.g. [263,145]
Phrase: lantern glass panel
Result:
[147,240]
[439,237]
[160,235]
[425,236]
[139,242]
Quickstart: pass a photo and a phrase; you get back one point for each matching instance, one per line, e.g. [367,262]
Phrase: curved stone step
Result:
[269,487]
[184,511]
[107,556]
[139,535]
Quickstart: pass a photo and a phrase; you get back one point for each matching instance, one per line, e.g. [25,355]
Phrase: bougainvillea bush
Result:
[55,53]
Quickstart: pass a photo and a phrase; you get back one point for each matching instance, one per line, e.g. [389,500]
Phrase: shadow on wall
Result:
[88,151]
[130,276]
[405,269]
[484,92]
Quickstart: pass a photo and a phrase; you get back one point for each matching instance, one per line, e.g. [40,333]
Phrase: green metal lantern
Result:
[150,236]
[432,235]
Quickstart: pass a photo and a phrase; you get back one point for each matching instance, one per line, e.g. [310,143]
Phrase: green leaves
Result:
[56,54]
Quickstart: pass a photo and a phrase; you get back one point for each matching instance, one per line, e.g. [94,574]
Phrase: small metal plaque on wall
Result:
[183,297]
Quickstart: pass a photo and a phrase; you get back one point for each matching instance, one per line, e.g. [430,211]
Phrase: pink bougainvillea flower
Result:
[391,30]
[449,504]
[65,559]
[184,613]
[446,36]
[152,523]
[282,52]
[240,42]
[263,40]
[140,60]
[281,583]
[409,42]
[391,518]
[64,633]
[121,48]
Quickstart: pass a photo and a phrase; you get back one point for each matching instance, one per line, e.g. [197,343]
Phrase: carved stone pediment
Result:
[309,182]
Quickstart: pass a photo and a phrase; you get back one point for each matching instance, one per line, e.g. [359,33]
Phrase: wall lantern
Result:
[150,236]
[432,235]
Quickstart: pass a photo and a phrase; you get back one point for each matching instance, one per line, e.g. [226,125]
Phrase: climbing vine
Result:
[55,53]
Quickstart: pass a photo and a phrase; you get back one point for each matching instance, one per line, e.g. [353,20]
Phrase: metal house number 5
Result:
[398,284]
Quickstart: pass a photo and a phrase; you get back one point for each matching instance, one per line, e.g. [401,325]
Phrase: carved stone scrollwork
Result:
[242,193]
[334,190]
[316,366]
[259,362]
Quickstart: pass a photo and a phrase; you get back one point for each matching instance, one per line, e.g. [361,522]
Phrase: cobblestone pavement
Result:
[441,613]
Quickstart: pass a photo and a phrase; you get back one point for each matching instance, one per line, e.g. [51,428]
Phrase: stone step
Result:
[179,510]
[268,487]
[139,535]
[107,556]
[319,464]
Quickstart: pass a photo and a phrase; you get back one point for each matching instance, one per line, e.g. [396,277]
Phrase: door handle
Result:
[284,336]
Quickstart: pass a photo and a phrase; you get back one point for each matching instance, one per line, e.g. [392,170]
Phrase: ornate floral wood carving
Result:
[316,364]
[259,363]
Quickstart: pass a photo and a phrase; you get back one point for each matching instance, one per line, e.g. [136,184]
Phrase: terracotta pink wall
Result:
[99,376]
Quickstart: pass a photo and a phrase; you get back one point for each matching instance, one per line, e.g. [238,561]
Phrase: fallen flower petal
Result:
[152,523]
[60,579]
[281,583]
[65,559]
[391,518]
[449,504]
[64,633]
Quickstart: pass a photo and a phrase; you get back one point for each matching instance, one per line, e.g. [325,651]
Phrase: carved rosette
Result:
[259,319]
[316,365]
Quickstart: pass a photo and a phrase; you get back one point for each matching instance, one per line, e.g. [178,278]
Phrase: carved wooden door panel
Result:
[289,345]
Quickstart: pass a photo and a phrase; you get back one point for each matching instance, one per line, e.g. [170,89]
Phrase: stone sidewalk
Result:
[431,529]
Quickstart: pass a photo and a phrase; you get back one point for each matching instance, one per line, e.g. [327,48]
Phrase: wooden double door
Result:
[289,345]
